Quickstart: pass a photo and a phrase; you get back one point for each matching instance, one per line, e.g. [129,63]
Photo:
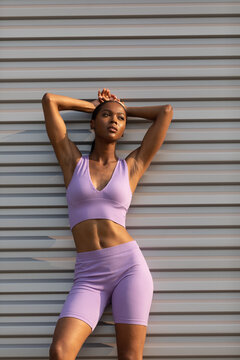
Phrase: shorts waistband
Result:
[107,252]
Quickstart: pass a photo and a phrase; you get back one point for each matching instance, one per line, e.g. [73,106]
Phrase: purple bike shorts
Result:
[117,275]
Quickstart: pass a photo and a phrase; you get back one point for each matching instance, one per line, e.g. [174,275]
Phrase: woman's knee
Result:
[68,338]
[58,351]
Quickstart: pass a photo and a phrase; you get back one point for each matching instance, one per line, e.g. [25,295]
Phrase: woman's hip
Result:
[106,265]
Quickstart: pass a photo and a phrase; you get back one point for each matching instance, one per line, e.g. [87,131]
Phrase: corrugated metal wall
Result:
[185,211]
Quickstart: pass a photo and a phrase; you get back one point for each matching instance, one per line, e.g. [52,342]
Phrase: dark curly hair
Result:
[96,111]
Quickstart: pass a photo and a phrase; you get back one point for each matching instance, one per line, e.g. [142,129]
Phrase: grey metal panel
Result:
[199,156]
[109,10]
[149,93]
[226,113]
[192,262]
[117,2]
[111,31]
[131,73]
[60,243]
[174,135]
[116,52]
[46,178]
[108,350]
[153,198]
[185,211]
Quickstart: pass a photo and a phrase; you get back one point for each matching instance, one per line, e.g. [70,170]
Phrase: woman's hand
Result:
[105,95]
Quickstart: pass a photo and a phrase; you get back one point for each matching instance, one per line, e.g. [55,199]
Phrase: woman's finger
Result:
[99,95]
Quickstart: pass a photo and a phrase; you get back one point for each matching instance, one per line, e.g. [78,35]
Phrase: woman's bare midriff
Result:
[96,234]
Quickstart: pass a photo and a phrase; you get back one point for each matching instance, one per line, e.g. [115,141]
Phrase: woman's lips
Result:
[112,129]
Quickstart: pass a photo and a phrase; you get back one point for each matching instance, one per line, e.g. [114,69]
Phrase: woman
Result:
[110,267]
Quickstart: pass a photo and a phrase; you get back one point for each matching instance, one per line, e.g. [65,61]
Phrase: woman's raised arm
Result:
[55,125]
[146,112]
[153,139]
[68,103]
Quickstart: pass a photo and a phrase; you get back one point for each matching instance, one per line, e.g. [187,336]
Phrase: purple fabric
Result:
[86,202]
[117,275]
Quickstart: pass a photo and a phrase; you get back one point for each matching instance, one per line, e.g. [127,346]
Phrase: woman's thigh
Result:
[132,297]
[85,303]
[68,338]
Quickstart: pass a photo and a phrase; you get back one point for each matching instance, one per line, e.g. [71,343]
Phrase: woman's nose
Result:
[114,118]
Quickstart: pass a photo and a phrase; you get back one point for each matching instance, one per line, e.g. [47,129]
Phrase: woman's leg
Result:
[131,303]
[130,341]
[80,314]
[68,338]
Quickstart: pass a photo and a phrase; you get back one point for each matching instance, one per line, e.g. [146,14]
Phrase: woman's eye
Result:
[107,114]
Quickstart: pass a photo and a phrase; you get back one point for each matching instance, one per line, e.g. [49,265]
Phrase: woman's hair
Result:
[96,111]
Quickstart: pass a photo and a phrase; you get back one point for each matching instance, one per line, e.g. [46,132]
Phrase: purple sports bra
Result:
[86,202]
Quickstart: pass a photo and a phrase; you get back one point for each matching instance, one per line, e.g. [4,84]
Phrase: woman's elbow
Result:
[168,108]
[46,97]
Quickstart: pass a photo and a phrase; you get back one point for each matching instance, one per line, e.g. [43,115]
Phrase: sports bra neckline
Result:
[89,176]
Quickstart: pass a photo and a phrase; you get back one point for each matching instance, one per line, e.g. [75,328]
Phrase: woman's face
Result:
[110,114]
